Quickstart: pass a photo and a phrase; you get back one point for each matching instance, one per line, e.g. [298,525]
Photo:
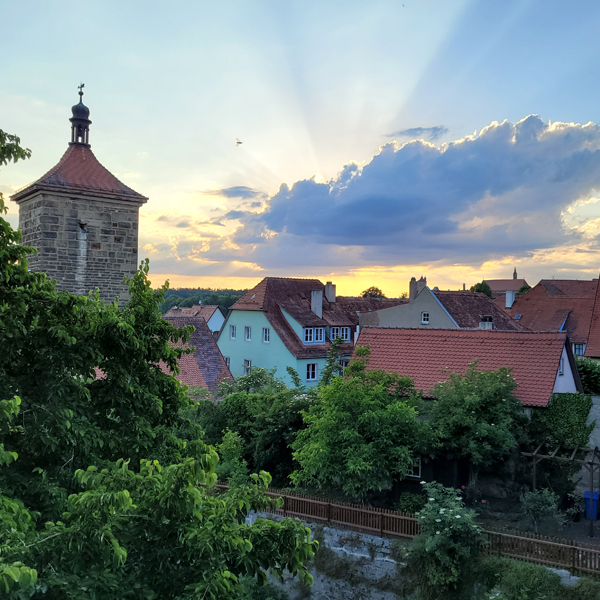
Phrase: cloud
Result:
[500,191]
[427,133]
[238,191]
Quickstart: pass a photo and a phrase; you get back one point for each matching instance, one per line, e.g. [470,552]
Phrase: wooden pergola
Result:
[590,462]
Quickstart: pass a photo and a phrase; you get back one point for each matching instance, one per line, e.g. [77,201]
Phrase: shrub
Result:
[589,373]
[524,581]
[411,503]
[541,504]
[444,561]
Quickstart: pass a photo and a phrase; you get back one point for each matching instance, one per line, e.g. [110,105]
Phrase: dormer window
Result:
[424,318]
[486,322]
[313,335]
[342,332]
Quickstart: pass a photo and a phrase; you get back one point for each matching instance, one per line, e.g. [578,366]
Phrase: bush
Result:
[524,581]
[411,503]
[252,590]
[445,560]
[541,504]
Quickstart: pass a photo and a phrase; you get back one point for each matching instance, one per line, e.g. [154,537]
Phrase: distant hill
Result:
[190,296]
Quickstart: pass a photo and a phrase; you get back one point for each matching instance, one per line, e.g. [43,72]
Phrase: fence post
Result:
[499,544]
[381,524]
[285,499]
[329,512]
[574,558]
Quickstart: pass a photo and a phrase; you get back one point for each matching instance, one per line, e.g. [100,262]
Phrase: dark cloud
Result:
[427,133]
[496,193]
[238,191]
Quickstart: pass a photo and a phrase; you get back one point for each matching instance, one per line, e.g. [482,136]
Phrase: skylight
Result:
[518,316]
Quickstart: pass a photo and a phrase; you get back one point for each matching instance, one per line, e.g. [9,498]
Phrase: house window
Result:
[247,333]
[343,361]
[578,349]
[247,366]
[343,332]
[416,469]
[266,335]
[424,318]
[561,367]
[232,332]
[227,361]
[313,335]
[311,372]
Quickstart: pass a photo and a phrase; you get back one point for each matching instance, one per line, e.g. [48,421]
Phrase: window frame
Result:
[315,369]
[308,332]
[425,318]
[247,365]
[561,366]
[227,360]
[232,332]
[340,331]
[266,335]
[576,346]
[248,333]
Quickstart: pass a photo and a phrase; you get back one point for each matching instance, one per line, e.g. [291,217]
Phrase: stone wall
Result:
[83,242]
[348,565]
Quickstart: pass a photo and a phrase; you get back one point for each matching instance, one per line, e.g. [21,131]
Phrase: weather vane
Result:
[80,88]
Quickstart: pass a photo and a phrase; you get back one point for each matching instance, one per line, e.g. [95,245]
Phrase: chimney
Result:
[464,287]
[412,289]
[316,302]
[421,284]
[330,291]
[486,322]
[510,298]
[515,273]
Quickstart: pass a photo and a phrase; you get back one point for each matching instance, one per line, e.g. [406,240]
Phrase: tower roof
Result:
[80,170]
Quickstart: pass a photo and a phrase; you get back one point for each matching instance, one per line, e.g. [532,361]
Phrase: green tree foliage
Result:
[265,413]
[540,504]
[144,533]
[186,297]
[482,288]
[523,289]
[232,467]
[589,373]
[564,421]
[373,292]
[361,433]
[476,416]
[444,561]
[11,150]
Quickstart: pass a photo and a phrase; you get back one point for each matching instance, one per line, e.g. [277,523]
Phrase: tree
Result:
[482,288]
[94,400]
[373,292]
[265,414]
[523,289]
[361,433]
[476,416]
[589,373]
[10,149]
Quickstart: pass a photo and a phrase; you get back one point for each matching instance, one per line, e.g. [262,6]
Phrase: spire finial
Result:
[80,88]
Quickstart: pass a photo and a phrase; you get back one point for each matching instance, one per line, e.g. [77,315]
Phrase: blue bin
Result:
[594,511]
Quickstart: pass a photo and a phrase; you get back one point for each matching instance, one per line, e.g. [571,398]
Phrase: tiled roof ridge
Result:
[123,189]
[458,332]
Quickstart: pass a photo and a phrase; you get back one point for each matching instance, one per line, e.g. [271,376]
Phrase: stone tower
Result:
[82,220]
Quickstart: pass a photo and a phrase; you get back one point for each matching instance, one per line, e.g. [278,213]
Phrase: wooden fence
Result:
[564,554]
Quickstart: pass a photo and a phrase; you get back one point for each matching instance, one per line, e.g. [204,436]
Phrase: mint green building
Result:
[285,322]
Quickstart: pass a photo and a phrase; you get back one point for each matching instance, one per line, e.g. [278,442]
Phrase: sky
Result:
[454,139]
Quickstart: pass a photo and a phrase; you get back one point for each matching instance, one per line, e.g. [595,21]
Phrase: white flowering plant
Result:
[442,562]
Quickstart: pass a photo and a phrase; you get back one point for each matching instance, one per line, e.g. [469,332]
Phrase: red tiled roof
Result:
[467,308]
[206,366]
[79,169]
[557,303]
[425,355]
[204,311]
[499,286]
[276,294]
[593,343]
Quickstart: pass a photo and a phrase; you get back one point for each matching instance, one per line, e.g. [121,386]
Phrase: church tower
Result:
[81,219]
